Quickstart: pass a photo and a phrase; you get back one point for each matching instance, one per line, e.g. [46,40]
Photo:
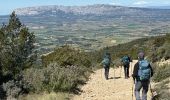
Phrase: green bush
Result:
[67,56]
[161,72]
[162,90]
[55,78]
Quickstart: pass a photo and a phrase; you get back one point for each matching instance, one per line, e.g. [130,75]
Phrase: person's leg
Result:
[138,86]
[106,72]
[127,70]
[145,86]
[124,70]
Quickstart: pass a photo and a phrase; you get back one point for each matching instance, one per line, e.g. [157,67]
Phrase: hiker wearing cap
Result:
[126,62]
[141,74]
[106,64]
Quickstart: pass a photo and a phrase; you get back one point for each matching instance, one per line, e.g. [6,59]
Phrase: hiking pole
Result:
[153,93]
[132,92]
[114,76]
[132,86]
[133,80]
[114,72]
[101,73]
[120,71]
[131,68]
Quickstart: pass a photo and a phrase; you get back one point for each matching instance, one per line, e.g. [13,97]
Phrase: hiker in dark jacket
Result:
[126,62]
[106,64]
[141,74]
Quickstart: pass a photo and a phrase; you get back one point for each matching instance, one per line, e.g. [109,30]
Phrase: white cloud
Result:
[113,3]
[140,3]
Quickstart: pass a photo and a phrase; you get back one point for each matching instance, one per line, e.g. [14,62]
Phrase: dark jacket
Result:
[135,71]
[130,60]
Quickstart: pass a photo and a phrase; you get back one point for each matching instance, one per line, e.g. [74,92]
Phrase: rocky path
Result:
[116,88]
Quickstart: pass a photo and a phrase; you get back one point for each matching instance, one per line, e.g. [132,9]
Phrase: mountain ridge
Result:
[97,9]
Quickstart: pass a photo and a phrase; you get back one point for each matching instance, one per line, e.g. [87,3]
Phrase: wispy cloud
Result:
[140,3]
[114,3]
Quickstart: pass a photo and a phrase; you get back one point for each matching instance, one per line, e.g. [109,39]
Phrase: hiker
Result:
[141,74]
[126,62]
[106,64]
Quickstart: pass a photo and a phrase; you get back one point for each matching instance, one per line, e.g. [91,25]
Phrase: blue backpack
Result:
[144,71]
[106,62]
[125,60]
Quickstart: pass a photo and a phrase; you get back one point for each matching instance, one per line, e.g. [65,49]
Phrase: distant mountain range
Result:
[159,7]
[90,9]
[93,12]
[98,12]
[98,9]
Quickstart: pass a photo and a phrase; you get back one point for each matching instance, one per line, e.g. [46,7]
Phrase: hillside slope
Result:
[155,48]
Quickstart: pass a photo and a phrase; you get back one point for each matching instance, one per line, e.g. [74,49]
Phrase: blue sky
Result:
[7,6]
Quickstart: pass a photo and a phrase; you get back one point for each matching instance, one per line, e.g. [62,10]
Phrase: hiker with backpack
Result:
[106,64]
[126,62]
[141,74]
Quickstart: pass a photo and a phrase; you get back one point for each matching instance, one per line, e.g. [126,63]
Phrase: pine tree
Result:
[16,46]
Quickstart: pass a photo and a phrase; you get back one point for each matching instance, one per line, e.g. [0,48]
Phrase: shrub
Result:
[162,90]
[55,78]
[161,72]
[14,88]
[67,56]
[46,96]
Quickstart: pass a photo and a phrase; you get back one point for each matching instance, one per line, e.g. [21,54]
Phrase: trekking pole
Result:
[131,68]
[132,80]
[153,93]
[150,87]
[114,72]
[114,76]
[120,71]
[132,88]
[101,73]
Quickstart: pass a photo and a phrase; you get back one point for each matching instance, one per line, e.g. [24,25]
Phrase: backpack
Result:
[125,60]
[106,62]
[144,71]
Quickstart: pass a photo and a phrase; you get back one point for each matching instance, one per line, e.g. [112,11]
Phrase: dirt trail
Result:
[116,88]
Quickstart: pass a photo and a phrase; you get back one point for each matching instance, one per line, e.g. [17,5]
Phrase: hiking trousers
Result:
[126,70]
[106,72]
[144,85]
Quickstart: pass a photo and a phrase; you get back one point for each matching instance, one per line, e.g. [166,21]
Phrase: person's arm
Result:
[130,59]
[151,70]
[135,71]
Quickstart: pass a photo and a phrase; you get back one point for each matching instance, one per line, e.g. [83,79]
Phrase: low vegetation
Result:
[55,78]
[46,96]
[161,72]
[155,48]
[67,56]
